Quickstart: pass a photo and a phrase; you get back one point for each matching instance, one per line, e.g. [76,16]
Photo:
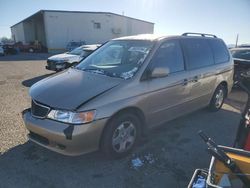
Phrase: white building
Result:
[54,29]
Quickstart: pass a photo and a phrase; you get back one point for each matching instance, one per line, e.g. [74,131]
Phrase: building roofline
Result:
[93,12]
[40,11]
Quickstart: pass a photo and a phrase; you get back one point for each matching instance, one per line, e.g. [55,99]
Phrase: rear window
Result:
[197,52]
[219,50]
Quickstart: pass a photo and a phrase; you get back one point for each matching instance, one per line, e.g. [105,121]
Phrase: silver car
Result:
[125,88]
[63,61]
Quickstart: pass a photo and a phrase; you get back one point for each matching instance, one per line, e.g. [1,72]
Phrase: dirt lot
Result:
[169,154]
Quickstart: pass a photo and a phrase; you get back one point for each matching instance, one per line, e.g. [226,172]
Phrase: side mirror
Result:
[160,72]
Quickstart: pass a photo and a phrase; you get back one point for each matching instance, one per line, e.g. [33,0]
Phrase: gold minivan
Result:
[125,87]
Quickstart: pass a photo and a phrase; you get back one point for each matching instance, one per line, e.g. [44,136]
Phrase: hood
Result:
[62,56]
[71,89]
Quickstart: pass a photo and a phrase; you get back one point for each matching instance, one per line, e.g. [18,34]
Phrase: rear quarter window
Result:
[197,52]
[220,51]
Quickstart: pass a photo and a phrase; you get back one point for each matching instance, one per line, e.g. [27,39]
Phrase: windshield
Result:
[76,51]
[117,58]
[241,54]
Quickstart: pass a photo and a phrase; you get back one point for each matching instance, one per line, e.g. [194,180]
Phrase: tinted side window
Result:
[169,55]
[197,52]
[219,50]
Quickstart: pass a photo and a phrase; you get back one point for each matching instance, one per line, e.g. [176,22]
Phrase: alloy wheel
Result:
[124,137]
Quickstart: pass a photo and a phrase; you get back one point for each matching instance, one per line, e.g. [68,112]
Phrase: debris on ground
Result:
[136,163]
[146,159]
[150,159]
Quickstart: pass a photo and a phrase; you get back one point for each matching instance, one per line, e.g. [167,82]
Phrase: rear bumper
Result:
[66,139]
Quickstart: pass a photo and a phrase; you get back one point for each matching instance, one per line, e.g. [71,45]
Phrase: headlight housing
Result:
[72,117]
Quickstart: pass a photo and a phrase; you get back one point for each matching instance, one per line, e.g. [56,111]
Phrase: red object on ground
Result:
[247,145]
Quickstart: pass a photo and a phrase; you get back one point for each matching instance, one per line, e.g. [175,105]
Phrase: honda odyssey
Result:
[126,87]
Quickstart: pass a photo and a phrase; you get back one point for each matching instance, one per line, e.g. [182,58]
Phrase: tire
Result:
[120,136]
[218,98]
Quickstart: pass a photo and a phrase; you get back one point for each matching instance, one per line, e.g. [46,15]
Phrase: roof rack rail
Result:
[201,34]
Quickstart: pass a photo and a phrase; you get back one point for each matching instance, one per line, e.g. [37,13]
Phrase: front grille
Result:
[39,110]
[39,138]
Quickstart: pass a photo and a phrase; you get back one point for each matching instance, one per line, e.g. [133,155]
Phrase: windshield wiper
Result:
[101,71]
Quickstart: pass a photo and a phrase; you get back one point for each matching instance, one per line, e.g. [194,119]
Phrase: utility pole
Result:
[237,38]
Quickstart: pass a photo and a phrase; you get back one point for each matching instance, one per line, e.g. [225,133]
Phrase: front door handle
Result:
[195,79]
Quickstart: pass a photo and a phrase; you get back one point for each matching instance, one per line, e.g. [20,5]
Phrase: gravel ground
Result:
[167,157]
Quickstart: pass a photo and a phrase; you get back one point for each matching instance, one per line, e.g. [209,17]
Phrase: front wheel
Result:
[121,135]
[217,99]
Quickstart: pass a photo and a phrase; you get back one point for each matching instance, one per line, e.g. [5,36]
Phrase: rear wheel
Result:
[218,98]
[121,135]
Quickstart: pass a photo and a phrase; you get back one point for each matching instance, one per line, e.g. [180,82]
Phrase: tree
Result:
[6,40]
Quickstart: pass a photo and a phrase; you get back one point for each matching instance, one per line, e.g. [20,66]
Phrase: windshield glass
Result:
[117,58]
[241,54]
[76,51]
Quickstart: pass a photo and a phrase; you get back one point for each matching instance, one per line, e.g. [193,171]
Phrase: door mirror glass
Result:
[159,72]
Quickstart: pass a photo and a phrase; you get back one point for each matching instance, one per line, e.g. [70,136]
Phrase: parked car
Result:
[241,57]
[30,47]
[62,61]
[1,51]
[72,45]
[126,87]
[9,49]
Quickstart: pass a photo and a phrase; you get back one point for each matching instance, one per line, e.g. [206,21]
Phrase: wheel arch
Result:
[132,110]
[225,85]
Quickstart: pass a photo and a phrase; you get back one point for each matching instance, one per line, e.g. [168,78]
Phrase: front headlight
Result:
[72,117]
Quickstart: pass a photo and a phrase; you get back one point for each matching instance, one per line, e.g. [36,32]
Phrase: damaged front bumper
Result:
[64,138]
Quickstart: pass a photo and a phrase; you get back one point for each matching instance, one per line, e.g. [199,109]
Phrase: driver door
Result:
[168,95]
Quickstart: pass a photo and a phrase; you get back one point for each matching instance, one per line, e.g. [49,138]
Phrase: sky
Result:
[224,18]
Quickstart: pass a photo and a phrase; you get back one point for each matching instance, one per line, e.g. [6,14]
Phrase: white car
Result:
[1,51]
[62,61]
